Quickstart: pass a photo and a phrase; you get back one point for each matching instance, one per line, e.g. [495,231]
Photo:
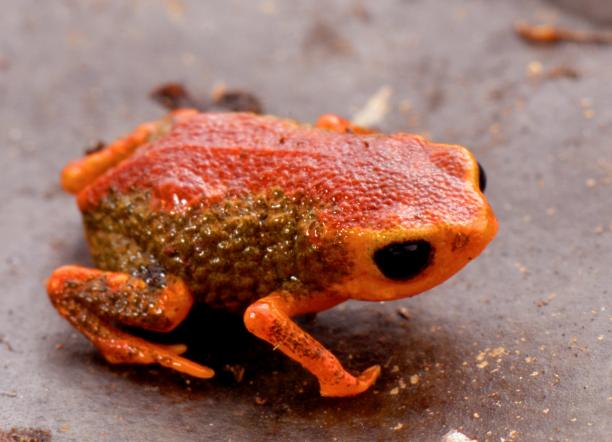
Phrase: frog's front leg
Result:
[91,300]
[269,319]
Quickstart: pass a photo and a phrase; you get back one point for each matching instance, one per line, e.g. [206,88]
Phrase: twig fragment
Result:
[549,34]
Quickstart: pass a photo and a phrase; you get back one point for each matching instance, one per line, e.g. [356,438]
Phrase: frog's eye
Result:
[403,260]
[482,178]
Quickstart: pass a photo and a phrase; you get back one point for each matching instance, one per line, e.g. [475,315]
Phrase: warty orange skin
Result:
[266,217]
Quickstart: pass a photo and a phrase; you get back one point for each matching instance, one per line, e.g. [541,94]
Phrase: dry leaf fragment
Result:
[550,34]
[375,109]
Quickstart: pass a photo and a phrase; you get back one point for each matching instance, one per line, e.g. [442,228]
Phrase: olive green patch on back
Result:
[230,253]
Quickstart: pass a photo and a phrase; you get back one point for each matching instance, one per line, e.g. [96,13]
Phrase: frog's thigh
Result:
[80,173]
[91,300]
[269,319]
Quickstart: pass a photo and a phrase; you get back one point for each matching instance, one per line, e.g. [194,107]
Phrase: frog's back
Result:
[240,205]
[207,158]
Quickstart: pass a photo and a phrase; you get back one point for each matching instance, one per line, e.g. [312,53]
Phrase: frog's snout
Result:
[400,261]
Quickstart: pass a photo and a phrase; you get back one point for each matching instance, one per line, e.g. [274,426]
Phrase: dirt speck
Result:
[96,147]
[456,436]
[403,313]
[25,435]
[534,69]
[563,71]
[175,9]
[323,38]
[176,96]
[545,302]
[546,34]
[6,343]
[236,370]
[360,12]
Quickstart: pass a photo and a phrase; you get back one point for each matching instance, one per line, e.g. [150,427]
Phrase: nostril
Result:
[403,260]
[482,178]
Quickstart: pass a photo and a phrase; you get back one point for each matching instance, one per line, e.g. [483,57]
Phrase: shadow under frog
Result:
[274,385]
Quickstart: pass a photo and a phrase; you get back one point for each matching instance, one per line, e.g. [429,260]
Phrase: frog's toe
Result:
[348,385]
[126,349]
[369,376]
[177,349]
[186,366]
[172,360]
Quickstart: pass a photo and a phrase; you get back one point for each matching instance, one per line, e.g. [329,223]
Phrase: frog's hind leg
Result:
[92,300]
[80,173]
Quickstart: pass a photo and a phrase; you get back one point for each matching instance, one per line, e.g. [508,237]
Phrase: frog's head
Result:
[440,221]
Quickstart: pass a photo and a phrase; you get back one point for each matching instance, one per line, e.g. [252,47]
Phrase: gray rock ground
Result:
[516,347]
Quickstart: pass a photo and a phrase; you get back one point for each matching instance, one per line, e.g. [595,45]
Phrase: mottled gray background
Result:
[517,346]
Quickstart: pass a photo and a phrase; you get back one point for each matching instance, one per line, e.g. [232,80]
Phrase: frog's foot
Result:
[121,348]
[269,319]
[335,123]
[80,173]
[91,300]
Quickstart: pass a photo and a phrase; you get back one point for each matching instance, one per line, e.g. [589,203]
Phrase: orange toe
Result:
[350,385]
[177,349]
[186,366]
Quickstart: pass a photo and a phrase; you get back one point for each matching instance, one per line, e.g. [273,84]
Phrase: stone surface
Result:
[517,346]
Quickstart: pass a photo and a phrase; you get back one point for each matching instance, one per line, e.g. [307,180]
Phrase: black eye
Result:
[482,178]
[403,260]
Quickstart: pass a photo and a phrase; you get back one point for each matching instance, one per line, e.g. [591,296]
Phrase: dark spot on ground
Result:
[6,343]
[176,96]
[236,101]
[322,38]
[96,147]
[361,13]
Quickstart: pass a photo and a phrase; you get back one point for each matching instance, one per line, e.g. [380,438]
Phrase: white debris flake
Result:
[375,109]
[455,436]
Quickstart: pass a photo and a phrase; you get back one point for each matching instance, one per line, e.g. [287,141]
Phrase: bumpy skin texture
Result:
[366,181]
[263,216]
[230,254]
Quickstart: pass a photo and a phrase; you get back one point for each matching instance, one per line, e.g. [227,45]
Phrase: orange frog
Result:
[265,217]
